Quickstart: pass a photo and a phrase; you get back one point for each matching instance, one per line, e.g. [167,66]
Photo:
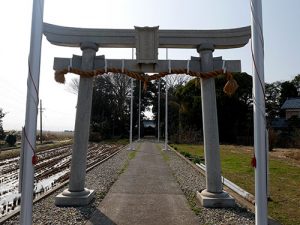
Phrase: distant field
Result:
[51,140]
[57,135]
[284,177]
[15,152]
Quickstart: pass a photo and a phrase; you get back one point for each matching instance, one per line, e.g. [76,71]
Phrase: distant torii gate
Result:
[146,40]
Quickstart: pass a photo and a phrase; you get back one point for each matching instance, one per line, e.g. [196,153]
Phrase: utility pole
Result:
[31,111]
[166,118]
[166,106]
[41,122]
[131,114]
[158,113]
[140,110]
[131,109]
[257,48]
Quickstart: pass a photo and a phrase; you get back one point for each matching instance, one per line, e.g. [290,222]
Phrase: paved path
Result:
[145,194]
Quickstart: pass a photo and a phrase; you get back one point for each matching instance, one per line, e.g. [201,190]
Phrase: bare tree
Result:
[73,86]
[174,80]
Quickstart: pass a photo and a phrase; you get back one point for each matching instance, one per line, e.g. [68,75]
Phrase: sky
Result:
[281,35]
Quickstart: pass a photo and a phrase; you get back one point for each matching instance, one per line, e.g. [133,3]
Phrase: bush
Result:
[11,139]
[193,158]
[187,136]
[95,137]
[186,154]
[2,134]
[273,137]
[198,159]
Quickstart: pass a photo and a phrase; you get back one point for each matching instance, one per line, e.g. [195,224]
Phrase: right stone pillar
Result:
[213,195]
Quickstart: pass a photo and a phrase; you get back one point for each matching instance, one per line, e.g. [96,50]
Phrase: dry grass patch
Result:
[284,177]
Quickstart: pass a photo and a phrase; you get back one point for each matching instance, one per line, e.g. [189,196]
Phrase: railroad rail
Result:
[51,172]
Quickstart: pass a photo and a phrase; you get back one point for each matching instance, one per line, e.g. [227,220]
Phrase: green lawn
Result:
[284,179]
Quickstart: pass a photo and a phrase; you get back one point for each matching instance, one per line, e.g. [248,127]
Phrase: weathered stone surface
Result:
[76,194]
[125,38]
[160,66]
[213,195]
[211,200]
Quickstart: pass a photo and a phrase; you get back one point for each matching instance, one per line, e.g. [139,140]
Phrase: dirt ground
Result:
[291,154]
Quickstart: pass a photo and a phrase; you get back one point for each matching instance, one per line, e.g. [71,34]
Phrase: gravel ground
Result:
[99,179]
[191,181]
[103,176]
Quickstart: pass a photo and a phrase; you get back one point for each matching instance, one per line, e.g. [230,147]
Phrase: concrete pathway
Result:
[145,194]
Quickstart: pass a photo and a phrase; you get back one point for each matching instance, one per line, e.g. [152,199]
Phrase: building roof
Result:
[149,123]
[291,103]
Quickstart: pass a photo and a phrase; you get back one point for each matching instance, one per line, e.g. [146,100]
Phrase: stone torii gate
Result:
[146,40]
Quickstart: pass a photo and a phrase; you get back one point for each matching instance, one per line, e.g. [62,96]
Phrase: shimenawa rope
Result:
[229,88]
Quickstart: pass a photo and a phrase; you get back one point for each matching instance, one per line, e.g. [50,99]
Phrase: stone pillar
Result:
[77,195]
[213,195]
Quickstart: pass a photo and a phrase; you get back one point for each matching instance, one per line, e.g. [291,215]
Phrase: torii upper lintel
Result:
[126,38]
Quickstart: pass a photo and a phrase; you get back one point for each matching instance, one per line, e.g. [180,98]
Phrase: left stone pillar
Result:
[77,194]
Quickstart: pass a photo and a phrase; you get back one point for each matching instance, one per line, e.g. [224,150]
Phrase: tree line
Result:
[111,107]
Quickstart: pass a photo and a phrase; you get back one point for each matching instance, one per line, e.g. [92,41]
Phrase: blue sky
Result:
[281,33]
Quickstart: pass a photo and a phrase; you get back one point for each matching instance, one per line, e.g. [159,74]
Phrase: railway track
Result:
[52,169]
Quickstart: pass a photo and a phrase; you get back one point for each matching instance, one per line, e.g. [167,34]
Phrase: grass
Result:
[284,179]
[163,153]
[116,141]
[131,155]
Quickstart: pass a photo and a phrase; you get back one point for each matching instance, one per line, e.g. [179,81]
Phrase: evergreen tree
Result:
[2,114]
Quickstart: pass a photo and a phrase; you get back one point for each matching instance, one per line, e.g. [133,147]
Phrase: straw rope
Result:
[229,88]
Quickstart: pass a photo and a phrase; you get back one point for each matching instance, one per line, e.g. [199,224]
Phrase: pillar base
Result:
[215,200]
[73,198]
[131,148]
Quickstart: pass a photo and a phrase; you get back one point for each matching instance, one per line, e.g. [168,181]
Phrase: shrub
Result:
[95,137]
[273,137]
[11,139]
[2,134]
[186,154]
[198,159]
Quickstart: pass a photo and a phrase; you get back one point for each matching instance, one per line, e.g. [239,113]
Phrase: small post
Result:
[267,164]
[21,162]
[41,122]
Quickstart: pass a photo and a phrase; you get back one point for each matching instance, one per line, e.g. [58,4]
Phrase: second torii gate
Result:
[146,40]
